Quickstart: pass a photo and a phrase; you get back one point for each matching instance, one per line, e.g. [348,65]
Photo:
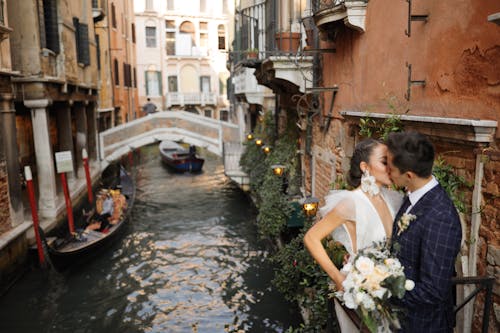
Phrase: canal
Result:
[191,261]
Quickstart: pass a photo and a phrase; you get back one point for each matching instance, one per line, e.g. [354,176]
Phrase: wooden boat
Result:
[179,158]
[66,250]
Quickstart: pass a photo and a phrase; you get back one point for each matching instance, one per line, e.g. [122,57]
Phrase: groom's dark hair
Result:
[412,151]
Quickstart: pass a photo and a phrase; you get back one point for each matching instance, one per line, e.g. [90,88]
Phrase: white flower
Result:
[364,265]
[349,301]
[409,285]
[404,222]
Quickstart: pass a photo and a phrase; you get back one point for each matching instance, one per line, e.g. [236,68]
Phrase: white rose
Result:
[368,302]
[379,293]
[409,285]
[364,265]
[349,301]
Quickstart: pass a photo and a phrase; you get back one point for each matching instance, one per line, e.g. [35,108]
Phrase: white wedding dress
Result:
[357,207]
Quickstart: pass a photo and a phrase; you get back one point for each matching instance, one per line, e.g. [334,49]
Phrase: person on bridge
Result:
[149,107]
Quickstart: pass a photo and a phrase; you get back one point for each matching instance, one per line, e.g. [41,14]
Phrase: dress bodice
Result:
[355,206]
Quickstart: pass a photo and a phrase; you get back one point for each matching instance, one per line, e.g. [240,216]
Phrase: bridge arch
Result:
[167,125]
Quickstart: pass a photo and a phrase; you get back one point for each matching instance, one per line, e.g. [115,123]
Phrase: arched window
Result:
[222,37]
[186,38]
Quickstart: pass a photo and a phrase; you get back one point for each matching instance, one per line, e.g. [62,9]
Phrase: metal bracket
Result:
[412,83]
[413,18]
[325,122]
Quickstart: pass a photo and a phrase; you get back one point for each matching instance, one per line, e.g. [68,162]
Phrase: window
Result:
[153,83]
[205,84]
[98,49]
[149,5]
[222,87]
[51,38]
[172,83]
[170,43]
[127,75]
[170,24]
[116,72]
[150,36]
[186,38]
[208,113]
[203,6]
[170,5]
[82,42]
[204,40]
[222,37]
[204,26]
[224,115]
[113,15]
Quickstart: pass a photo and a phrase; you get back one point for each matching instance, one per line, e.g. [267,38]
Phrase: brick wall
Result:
[5,220]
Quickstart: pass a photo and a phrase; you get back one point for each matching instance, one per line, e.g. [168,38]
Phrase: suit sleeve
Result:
[439,246]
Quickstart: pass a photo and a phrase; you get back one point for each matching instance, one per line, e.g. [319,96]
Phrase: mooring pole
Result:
[34,214]
[85,157]
[67,198]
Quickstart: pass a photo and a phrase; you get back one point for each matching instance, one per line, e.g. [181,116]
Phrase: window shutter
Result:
[83,44]
[160,90]
[147,82]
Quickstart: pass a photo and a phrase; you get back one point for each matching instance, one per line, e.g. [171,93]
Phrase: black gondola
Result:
[74,248]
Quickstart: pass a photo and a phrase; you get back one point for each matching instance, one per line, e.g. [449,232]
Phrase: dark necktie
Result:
[402,210]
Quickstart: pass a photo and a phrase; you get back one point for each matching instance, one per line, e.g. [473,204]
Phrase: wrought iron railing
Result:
[482,283]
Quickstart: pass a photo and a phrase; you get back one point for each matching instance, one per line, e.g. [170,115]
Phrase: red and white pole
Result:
[34,214]
[67,198]
[85,157]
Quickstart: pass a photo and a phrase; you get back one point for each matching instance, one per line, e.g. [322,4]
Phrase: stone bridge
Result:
[219,137]
[168,125]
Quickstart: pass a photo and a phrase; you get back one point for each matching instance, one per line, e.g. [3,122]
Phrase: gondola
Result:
[179,158]
[63,251]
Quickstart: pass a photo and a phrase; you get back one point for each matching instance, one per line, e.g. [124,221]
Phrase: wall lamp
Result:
[310,206]
[278,169]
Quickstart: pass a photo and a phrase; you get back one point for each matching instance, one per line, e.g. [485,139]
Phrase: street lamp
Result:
[266,149]
[278,169]
[310,206]
[259,142]
[249,136]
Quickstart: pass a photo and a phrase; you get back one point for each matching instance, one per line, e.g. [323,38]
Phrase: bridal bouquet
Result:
[373,277]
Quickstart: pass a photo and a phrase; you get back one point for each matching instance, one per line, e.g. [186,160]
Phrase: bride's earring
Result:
[368,184]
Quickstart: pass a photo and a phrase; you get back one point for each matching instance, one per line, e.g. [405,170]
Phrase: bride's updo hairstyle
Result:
[362,153]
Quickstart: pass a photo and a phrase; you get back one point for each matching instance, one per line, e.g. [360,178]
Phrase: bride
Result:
[356,218]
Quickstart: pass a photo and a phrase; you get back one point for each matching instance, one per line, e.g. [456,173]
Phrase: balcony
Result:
[351,12]
[196,98]
[245,84]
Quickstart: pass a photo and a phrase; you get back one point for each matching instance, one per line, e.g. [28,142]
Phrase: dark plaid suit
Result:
[428,248]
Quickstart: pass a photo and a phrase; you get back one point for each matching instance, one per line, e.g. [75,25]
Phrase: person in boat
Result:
[104,209]
[192,150]
[119,203]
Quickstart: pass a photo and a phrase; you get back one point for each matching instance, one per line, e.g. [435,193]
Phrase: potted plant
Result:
[252,53]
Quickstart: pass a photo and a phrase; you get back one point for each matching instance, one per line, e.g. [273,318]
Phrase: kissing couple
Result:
[423,223]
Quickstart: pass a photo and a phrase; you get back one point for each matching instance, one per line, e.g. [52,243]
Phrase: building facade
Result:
[48,105]
[116,40]
[183,53]
[433,66]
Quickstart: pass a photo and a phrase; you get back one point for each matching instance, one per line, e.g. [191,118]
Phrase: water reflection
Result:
[190,262]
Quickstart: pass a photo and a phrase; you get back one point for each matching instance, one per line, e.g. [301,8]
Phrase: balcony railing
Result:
[197,98]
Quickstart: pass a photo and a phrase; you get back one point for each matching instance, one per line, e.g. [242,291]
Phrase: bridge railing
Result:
[167,125]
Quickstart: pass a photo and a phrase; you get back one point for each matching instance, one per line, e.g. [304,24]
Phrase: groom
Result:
[429,244]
